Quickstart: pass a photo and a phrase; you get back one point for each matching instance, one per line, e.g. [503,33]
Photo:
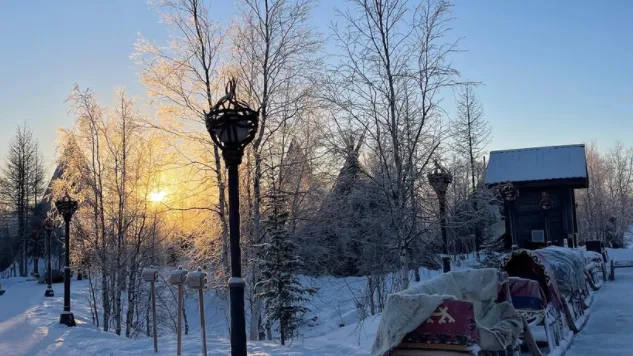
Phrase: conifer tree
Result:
[279,286]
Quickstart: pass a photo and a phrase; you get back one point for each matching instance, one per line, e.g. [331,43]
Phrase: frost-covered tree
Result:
[471,136]
[21,186]
[279,286]
[388,83]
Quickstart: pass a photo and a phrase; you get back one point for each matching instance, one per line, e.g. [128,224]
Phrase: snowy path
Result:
[21,328]
[29,327]
[610,326]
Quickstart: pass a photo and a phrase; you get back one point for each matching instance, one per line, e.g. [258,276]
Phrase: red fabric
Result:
[452,323]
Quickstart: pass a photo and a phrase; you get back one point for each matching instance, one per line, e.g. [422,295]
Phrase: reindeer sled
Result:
[595,270]
[563,295]
[454,314]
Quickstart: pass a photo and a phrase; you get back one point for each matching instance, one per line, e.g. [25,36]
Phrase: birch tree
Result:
[471,135]
[275,56]
[183,76]
[394,65]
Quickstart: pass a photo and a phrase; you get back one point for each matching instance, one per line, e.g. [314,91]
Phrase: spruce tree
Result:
[281,290]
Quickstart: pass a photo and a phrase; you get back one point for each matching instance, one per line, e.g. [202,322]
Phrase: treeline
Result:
[605,209]
[334,183]
[22,185]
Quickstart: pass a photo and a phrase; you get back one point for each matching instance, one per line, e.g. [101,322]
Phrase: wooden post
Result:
[153,291]
[198,280]
[203,328]
[151,275]
[179,327]
[612,274]
[178,277]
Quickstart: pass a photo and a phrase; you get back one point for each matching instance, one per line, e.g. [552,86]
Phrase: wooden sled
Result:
[534,265]
[531,302]
[452,331]
[595,271]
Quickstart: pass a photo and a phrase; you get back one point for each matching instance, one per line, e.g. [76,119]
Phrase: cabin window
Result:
[538,236]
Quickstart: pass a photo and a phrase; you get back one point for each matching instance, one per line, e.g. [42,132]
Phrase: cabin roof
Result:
[538,164]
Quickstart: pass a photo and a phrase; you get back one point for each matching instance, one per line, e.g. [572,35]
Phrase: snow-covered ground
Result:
[609,330]
[29,323]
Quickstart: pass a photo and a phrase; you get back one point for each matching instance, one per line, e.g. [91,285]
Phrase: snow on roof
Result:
[536,164]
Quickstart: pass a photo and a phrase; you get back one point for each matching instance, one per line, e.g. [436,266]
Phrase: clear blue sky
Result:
[555,72]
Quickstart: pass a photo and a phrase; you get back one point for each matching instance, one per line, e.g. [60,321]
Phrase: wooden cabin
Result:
[545,179]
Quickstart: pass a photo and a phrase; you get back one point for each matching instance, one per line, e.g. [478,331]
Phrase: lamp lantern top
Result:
[67,207]
[440,178]
[49,224]
[231,123]
[546,202]
[509,192]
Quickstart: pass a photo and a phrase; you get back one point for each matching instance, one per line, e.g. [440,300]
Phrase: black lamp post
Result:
[546,205]
[49,226]
[66,206]
[510,194]
[232,125]
[440,178]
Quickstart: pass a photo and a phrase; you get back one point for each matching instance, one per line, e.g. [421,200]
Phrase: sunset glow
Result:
[157,196]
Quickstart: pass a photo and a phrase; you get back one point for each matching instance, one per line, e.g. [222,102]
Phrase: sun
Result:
[157,196]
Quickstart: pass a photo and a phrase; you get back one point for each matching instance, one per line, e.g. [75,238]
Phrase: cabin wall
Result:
[528,215]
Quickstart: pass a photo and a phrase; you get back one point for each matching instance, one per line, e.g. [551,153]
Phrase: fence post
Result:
[198,280]
[151,275]
[178,277]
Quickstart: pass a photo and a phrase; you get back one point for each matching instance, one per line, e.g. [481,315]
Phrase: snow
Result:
[29,323]
[609,329]
[534,164]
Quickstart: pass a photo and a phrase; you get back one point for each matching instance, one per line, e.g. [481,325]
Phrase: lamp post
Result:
[510,194]
[49,226]
[36,257]
[66,206]
[232,125]
[440,178]
[546,204]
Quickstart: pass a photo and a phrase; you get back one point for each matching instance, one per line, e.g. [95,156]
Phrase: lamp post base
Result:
[68,319]
[446,264]
[238,321]
[49,292]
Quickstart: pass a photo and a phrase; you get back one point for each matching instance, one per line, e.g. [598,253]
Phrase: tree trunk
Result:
[36,258]
[371,288]
[131,297]
[256,313]
[404,266]
[184,316]
[269,330]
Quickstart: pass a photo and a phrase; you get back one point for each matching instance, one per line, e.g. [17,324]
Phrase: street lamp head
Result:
[440,178]
[509,192]
[231,123]
[66,206]
[545,202]
[49,225]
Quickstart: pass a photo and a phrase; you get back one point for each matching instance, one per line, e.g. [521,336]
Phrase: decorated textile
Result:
[498,324]
[526,294]
[532,265]
[451,327]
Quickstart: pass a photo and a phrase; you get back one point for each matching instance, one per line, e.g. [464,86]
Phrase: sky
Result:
[553,72]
